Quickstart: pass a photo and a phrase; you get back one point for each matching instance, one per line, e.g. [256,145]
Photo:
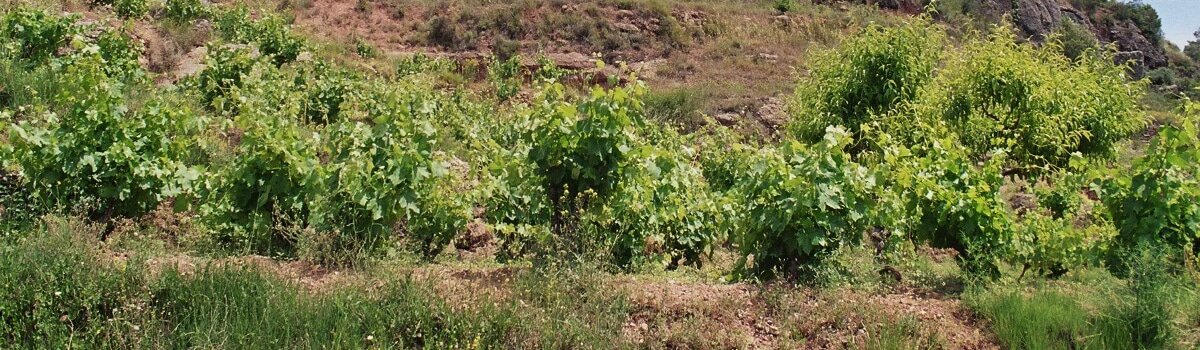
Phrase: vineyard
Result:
[928,187]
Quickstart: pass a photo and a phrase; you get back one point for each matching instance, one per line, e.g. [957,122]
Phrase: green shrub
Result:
[663,209]
[271,33]
[1158,201]
[225,70]
[937,195]
[372,182]
[785,6]
[517,206]
[99,151]
[267,193]
[131,8]
[185,10]
[871,74]
[580,146]
[1162,76]
[578,149]
[120,53]
[1051,246]
[34,34]
[1074,39]
[505,76]
[326,88]
[803,203]
[1033,103]
[442,217]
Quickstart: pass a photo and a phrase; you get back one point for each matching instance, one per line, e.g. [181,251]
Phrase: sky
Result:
[1180,18]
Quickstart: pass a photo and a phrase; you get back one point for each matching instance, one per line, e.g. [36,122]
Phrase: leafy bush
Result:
[184,10]
[663,207]
[871,74]
[1074,39]
[443,215]
[120,53]
[517,205]
[580,146]
[327,88]
[126,161]
[1158,201]
[785,6]
[35,35]
[505,76]
[225,69]
[1051,245]
[937,195]
[1033,103]
[372,182]
[130,8]
[268,191]
[271,33]
[1162,76]
[803,203]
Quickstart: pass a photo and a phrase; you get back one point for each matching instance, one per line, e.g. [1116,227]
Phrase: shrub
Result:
[580,146]
[120,54]
[663,208]
[225,69]
[871,74]
[35,34]
[803,204]
[326,88]
[271,33]
[268,191]
[937,195]
[1162,77]
[785,6]
[130,8]
[1033,103]
[517,206]
[127,162]
[275,39]
[1051,246]
[443,215]
[185,10]
[1158,201]
[505,76]
[1074,39]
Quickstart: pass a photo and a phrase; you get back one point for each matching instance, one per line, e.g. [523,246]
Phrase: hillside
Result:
[718,174]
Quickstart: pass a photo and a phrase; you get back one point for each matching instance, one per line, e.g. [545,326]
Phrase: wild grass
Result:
[1154,308]
[62,292]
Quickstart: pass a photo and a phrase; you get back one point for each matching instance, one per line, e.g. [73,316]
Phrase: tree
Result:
[1192,50]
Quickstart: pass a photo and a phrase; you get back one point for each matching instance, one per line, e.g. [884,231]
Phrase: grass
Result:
[902,333]
[68,294]
[1091,309]
[1043,320]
